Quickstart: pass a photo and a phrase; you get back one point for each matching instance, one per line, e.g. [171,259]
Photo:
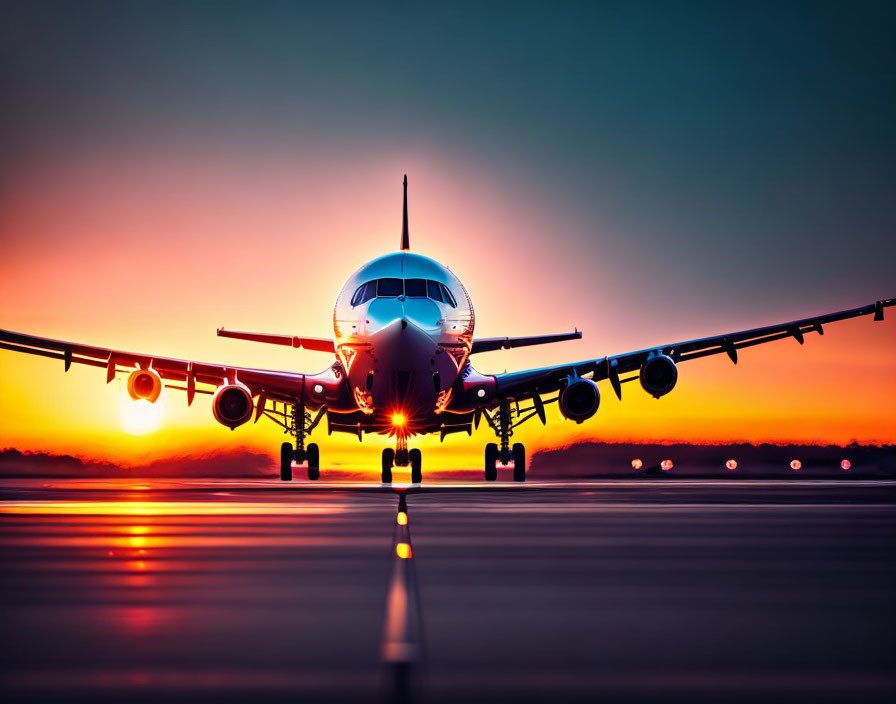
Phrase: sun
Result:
[141,417]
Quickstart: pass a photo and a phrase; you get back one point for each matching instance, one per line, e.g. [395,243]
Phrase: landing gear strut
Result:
[402,457]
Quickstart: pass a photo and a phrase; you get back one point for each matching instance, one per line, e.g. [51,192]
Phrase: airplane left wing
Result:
[525,384]
[488,344]
[274,385]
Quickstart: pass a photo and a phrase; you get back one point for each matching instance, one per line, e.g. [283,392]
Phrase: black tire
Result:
[416,458]
[491,462]
[519,462]
[388,461]
[286,462]
[312,453]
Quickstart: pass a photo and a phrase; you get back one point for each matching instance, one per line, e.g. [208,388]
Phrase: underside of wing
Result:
[147,374]
[656,366]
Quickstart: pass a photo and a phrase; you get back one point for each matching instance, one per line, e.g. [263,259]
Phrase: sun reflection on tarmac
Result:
[158,508]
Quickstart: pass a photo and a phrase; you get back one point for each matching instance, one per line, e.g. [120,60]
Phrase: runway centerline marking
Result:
[402,644]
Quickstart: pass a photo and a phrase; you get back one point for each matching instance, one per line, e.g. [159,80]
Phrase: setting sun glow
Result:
[140,417]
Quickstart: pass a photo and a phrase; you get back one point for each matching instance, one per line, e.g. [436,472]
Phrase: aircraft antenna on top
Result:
[405,239]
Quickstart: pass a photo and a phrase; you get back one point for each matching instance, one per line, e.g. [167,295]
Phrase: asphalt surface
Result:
[648,590]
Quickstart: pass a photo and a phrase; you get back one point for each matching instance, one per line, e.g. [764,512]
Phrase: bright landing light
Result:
[398,419]
[140,417]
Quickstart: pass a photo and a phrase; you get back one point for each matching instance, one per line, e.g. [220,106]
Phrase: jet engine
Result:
[658,375]
[145,384]
[232,405]
[579,400]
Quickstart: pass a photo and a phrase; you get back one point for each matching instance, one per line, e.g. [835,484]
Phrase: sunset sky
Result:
[645,172]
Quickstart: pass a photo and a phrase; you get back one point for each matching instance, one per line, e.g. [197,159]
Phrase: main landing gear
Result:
[402,457]
[298,422]
[502,422]
[517,455]
[311,454]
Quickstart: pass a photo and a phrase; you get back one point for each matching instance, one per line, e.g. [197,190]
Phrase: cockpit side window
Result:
[434,291]
[415,288]
[390,288]
[447,297]
[364,293]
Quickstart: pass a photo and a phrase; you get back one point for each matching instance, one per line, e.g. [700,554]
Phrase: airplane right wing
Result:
[317,344]
[525,384]
[316,390]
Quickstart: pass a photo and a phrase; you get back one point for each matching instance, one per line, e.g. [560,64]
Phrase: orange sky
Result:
[154,252]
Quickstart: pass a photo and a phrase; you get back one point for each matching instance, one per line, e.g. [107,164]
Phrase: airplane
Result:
[403,338]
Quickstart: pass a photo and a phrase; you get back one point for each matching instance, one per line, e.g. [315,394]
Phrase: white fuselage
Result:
[404,327]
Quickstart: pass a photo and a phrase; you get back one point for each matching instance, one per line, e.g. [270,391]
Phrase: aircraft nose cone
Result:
[404,324]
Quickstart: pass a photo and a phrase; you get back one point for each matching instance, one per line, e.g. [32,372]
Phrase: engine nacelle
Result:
[232,405]
[145,384]
[658,375]
[579,400]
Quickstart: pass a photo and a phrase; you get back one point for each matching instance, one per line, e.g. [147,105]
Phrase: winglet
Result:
[405,238]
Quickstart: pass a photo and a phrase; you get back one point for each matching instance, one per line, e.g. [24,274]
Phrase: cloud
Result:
[579,460]
[239,463]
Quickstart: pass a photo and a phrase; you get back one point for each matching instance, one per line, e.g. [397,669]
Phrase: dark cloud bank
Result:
[583,460]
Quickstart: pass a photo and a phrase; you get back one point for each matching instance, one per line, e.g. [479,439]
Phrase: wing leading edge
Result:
[284,386]
[488,344]
[318,344]
[527,383]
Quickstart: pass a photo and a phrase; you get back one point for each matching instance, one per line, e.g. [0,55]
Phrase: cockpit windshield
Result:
[412,288]
[415,288]
[389,288]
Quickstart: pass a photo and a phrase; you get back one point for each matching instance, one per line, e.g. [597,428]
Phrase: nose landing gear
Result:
[402,457]
[416,458]
[388,461]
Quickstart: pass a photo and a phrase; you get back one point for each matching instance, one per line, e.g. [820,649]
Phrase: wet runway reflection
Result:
[611,590]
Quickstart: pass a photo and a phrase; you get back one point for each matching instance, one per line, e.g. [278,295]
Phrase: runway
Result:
[650,590]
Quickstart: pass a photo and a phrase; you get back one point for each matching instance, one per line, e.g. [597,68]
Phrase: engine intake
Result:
[658,375]
[579,400]
[232,405]
[145,384]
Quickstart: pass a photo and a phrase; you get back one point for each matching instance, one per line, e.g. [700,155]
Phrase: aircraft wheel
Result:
[519,462]
[416,458]
[491,462]
[388,461]
[313,455]
[286,462]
